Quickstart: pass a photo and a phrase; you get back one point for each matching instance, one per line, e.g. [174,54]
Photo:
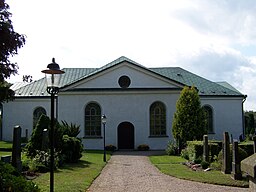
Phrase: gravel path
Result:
[132,171]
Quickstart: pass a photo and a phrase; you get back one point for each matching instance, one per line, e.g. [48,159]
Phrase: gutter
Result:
[243,118]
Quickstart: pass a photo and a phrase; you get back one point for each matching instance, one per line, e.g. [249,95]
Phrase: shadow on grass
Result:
[79,164]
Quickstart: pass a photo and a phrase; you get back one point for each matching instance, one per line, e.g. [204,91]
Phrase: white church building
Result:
[139,104]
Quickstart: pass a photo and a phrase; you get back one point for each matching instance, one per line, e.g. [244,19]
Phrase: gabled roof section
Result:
[205,87]
[92,71]
[227,85]
[176,74]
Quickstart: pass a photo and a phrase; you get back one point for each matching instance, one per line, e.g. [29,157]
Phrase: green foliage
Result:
[6,94]
[205,164]
[143,147]
[249,123]
[41,162]
[189,121]
[10,42]
[218,160]
[198,161]
[248,147]
[110,148]
[71,130]
[67,147]
[172,148]
[11,180]
[194,150]
[185,154]
[35,142]
[72,149]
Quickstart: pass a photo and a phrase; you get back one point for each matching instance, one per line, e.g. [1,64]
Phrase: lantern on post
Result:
[52,75]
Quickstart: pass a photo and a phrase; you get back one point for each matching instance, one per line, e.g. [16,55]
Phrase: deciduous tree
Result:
[10,42]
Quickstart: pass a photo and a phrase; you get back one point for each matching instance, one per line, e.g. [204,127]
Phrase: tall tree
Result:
[189,121]
[10,42]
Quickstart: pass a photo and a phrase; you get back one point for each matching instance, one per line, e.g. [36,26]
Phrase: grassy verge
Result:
[171,165]
[75,177]
[5,146]
[3,153]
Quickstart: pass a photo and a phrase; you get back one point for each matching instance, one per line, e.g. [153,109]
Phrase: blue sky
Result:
[214,39]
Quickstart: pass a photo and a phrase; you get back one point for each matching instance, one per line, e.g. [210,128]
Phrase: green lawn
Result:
[75,177]
[5,145]
[171,165]
[3,153]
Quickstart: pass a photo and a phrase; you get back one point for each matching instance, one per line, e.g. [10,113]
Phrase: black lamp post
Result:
[52,75]
[104,120]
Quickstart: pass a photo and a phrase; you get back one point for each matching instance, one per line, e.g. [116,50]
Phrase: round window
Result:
[124,81]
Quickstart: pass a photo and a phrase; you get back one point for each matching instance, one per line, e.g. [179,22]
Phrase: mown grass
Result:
[3,153]
[5,145]
[171,165]
[75,177]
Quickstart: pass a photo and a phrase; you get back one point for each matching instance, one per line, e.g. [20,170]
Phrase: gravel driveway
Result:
[132,171]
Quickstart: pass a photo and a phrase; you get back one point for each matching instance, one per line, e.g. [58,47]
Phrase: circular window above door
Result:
[124,81]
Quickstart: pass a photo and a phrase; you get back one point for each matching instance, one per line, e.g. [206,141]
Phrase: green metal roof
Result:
[177,74]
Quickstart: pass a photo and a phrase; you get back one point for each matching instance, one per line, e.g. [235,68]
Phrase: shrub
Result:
[172,148]
[72,149]
[67,147]
[71,130]
[185,154]
[110,148]
[194,150]
[143,147]
[11,180]
[198,161]
[248,147]
[205,164]
[35,142]
[218,160]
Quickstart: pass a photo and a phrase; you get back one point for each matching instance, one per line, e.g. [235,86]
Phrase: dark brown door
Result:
[125,136]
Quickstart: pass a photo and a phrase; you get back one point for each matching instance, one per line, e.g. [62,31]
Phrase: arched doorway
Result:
[125,132]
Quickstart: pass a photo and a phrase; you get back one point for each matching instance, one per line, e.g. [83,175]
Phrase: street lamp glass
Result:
[104,119]
[53,74]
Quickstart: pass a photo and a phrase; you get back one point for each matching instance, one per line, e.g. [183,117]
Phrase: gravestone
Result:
[206,148]
[236,168]
[26,134]
[254,144]
[248,166]
[226,167]
[16,148]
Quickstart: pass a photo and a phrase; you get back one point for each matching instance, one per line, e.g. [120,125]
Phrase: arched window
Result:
[157,119]
[37,114]
[209,118]
[92,120]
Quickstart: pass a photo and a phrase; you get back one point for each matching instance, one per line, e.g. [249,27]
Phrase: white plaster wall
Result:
[20,112]
[227,116]
[120,107]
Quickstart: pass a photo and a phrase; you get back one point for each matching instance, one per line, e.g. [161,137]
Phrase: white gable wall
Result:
[140,78]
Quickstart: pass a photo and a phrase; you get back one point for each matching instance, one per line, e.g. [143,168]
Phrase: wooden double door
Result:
[125,134]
